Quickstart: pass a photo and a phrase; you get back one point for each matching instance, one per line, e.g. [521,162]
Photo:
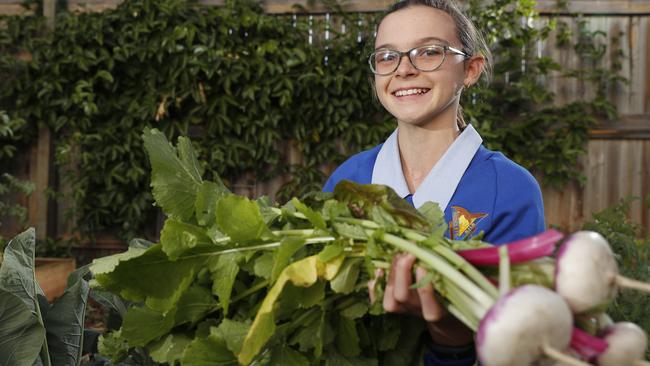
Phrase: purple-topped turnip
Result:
[586,273]
[529,324]
[627,345]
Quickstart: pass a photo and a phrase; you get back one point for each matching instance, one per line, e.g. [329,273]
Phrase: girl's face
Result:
[434,95]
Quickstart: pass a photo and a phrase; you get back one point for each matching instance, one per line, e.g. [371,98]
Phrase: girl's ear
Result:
[473,70]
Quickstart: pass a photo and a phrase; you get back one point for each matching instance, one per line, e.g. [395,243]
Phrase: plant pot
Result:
[52,275]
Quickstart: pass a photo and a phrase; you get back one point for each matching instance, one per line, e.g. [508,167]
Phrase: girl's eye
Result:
[386,57]
[430,52]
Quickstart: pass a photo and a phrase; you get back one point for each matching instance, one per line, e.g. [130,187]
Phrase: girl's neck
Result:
[421,147]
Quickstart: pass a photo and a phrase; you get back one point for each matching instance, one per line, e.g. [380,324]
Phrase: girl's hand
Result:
[399,297]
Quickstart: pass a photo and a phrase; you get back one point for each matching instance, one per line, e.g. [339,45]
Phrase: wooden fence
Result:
[617,164]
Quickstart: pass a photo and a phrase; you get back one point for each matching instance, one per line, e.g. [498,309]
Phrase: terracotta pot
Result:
[52,275]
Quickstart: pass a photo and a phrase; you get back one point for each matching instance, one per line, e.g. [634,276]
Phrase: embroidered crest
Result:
[463,223]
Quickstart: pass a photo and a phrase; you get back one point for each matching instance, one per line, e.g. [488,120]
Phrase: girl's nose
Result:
[405,67]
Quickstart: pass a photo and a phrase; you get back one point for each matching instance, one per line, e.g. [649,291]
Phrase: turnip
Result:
[527,325]
[586,273]
[627,345]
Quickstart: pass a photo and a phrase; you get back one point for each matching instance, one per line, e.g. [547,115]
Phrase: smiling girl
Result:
[427,52]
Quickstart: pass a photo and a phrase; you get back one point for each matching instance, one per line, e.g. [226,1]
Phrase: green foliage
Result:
[632,247]
[8,185]
[33,331]
[287,290]
[245,86]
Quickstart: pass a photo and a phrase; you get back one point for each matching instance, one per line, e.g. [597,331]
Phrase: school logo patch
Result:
[463,223]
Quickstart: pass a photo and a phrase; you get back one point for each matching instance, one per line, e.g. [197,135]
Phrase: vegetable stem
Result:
[632,284]
[441,266]
[504,270]
[561,357]
[459,262]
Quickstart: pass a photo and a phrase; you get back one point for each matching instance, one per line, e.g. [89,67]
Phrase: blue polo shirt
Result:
[478,189]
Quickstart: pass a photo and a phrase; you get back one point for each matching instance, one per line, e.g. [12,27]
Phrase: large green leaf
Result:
[176,180]
[17,277]
[153,278]
[21,333]
[65,321]
[169,349]
[240,218]
[224,271]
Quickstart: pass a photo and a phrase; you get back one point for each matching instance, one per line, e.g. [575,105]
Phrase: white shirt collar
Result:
[441,182]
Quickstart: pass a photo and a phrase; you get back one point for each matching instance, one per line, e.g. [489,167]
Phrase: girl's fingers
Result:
[431,309]
[404,278]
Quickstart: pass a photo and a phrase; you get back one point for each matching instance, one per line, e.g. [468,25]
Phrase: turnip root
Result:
[527,325]
[627,345]
[586,273]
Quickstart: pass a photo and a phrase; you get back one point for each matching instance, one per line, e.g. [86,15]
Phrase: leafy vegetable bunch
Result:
[236,281]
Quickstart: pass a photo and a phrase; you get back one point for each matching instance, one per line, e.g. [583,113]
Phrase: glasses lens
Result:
[384,62]
[427,58]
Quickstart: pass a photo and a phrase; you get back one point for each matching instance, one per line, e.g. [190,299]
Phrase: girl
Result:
[426,53]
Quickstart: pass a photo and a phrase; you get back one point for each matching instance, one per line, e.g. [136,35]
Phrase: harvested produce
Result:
[240,281]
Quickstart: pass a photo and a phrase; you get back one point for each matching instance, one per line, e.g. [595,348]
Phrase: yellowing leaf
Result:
[303,273]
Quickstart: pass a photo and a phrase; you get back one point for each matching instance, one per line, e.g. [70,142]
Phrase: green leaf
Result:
[142,325]
[65,321]
[355,311]
[264,265]
[169,349]
[224,271]
[331,251]
[234,332]
[206,201]
[212,350]
[107,264]
[193,305]
[314,217]
[347,338]
[153,278]
[283,355]
[288,247]
[241,219]
[113,346]
[21,334]
[346,279]
[178,237]
[176,180]
[351,231]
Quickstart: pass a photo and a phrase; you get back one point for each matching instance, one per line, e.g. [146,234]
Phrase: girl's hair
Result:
[470,38]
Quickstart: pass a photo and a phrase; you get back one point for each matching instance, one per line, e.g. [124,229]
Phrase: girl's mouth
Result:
[410,92]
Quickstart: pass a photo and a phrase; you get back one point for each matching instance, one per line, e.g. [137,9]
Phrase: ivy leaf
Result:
[176,180]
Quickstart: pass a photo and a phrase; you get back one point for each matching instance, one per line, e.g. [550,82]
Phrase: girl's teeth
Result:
[402,93]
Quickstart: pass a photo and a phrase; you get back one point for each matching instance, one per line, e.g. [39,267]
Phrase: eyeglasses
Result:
[423,58]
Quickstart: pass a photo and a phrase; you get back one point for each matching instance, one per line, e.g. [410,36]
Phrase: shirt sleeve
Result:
[518,206]
[465,356]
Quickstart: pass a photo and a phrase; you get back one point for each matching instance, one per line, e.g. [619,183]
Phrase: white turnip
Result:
[627,345]
[586,273]
[525,326]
